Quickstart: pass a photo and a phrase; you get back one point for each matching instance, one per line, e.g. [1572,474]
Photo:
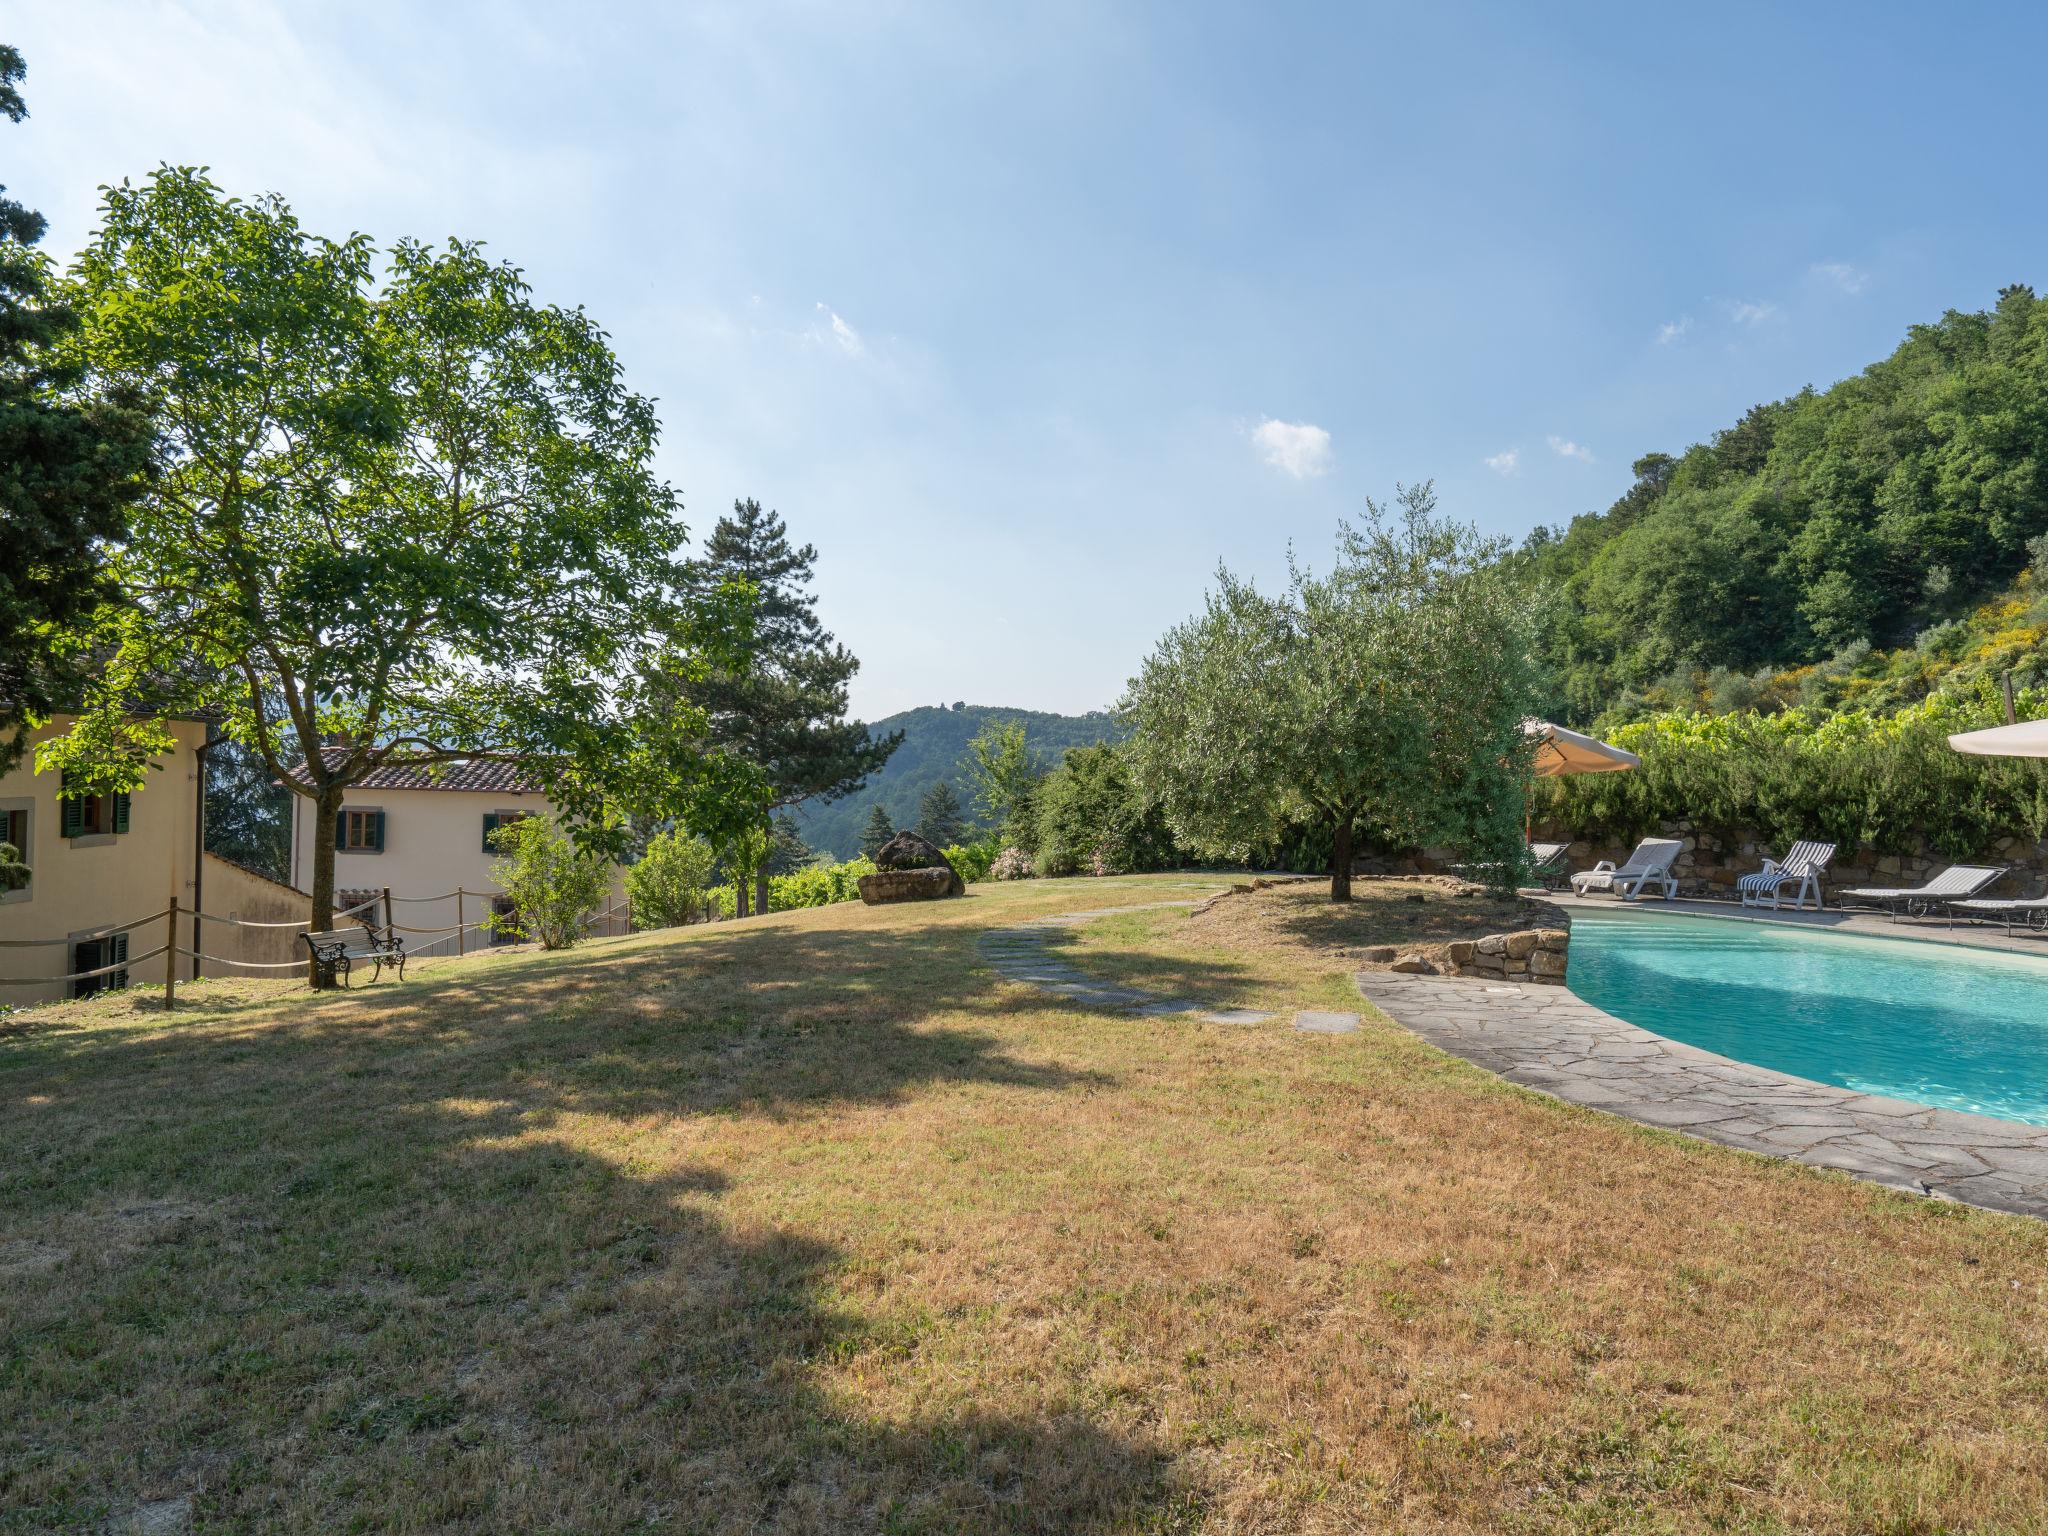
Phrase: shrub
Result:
[971,861]
[814,885]
[667,886]
[818,885]
[550,882]
[1012,864]
[1087,815]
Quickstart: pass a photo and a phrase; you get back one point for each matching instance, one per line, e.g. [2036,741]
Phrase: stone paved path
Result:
[1024,954]
[1549,1039]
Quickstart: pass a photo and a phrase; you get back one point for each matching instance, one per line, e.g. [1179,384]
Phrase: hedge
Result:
[1889,780]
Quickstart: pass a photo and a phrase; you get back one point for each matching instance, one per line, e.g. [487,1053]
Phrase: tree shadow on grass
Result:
[1437,919]
[403,1282]
[1212,982]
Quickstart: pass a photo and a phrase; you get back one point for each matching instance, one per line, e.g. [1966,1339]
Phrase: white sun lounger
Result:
[2031,912]
[1959,882]
[1650,864]
[1801,868]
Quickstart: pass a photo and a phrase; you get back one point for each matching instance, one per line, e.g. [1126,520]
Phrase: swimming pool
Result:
[1960,1028]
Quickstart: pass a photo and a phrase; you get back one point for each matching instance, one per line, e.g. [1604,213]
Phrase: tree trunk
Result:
[326,806]
[761,890]
[739,895]
[1340,863]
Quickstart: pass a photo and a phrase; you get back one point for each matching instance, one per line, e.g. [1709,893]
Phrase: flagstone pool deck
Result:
[1549,1039]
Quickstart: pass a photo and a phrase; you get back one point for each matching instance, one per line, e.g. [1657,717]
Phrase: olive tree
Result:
[1384,699]
[405,516]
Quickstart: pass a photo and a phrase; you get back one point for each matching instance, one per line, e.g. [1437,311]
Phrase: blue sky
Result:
[1027,316]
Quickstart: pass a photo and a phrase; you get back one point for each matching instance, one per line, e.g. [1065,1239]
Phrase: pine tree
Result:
[784,710]
[938,816]
[69,466]
[877,832]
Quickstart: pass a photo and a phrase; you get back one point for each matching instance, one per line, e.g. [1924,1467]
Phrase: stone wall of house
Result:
[1711,861]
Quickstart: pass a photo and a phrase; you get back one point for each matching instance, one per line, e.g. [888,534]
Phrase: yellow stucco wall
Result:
[84,885]
[232,891]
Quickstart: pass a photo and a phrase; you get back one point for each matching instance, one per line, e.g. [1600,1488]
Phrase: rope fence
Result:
[172,951]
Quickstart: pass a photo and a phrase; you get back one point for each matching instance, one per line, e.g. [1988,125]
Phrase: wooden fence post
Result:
[461,932]
[387,909]
[171,954]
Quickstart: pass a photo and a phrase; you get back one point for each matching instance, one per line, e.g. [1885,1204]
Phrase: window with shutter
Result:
[90,955]
[490,826]
[359,831]
[120,818]
[74,818]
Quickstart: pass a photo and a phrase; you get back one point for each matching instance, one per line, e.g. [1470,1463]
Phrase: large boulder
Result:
[907,853]
[886,885]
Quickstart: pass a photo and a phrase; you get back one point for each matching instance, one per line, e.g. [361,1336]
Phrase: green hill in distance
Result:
[935,739]
[934,742]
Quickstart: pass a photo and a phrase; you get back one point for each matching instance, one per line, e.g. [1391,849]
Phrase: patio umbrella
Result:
[2027,739]
[1560,751]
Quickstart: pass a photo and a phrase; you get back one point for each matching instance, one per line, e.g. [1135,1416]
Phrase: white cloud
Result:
[1503,463]
[1671,330]
[1565,448]
[844,334]
[1750,311]
[1851,280]
[1293,447]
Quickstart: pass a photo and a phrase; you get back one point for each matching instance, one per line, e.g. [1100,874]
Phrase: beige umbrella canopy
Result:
[1559,752]
[2027,739]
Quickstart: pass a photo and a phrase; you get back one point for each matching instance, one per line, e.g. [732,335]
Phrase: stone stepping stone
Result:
[1326,1023]
[1236,1016]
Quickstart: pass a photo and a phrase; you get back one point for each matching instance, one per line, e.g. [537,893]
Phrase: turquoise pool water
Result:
[1960,1028]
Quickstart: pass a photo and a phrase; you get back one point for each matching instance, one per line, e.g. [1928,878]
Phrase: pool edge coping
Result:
[1570,1050]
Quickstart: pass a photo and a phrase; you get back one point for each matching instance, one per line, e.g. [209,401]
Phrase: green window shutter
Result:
[377,831]
[490,826]
[117,954]
[74,818]
[341,829]
[121,812]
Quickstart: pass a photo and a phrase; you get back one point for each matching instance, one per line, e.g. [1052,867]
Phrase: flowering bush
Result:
[971,861]
[1011,864]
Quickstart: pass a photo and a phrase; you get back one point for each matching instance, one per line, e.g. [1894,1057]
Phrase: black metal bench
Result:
[334,955]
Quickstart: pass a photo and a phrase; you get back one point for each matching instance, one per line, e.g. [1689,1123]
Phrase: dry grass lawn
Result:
[808,1224]
[1419,915]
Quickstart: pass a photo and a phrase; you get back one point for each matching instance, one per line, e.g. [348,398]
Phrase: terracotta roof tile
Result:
[484,775]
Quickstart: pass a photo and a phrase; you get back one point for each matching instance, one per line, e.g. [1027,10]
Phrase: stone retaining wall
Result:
[1533,954]
[1711,862]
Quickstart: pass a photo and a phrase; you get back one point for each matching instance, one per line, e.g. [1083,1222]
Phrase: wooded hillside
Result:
[935,741]
[1815,530]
